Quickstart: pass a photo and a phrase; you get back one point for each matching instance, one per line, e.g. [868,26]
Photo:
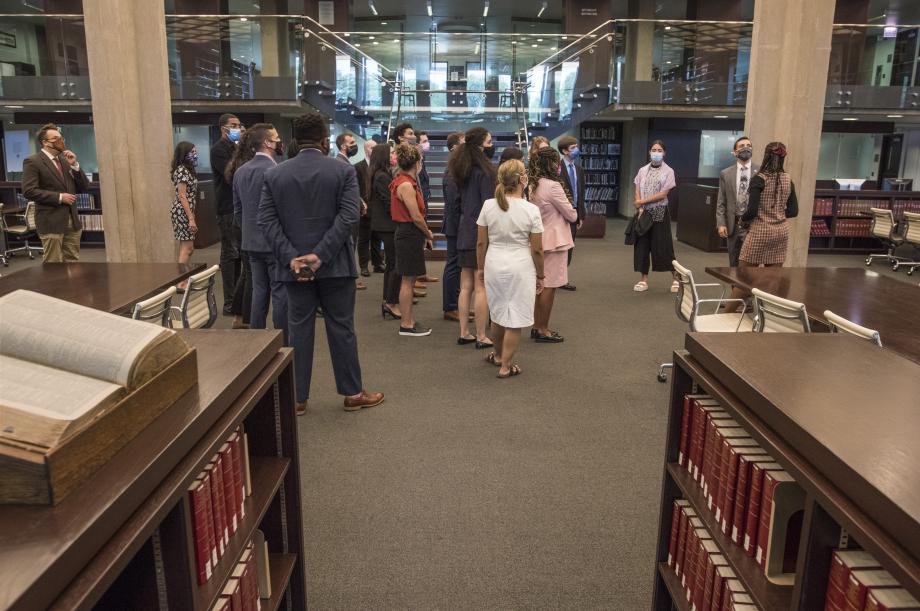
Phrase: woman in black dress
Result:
[379,175]
[182,213]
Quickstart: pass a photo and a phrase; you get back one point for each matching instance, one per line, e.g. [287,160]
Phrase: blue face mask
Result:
[574,153]
[234,134]
[656,157]
[192,159]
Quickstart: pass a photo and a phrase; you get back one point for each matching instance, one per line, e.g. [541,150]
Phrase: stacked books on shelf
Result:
[92,222]
[824,206]
[601,179]
[853,228]
[755,503]
[600,163]
[245,587]
[857,582]
[599,133]
[85,201]
[606,194]
[599,148]
[217,498]
[707,579]
[819,228]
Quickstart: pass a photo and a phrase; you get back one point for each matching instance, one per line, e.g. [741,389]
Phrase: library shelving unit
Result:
[89,208]
[600,159]
[839,415]
[841,221]
[124,539]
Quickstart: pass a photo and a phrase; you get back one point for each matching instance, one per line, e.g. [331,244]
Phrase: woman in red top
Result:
[407,209]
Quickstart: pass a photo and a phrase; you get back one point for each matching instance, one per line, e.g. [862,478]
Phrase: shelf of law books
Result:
[733,517]
[600,160]
[87,204]
[841,219]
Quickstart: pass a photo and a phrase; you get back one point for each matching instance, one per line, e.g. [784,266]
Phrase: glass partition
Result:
[43,58]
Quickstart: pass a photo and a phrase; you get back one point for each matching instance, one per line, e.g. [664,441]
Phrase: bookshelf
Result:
[816,431]
[600,159]
[88,205]
[125,539]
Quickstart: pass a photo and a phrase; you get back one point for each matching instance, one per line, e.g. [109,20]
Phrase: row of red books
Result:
[857,582]
[241,592]
[855,207]
[217,499]
[824,206]
[819,228]
[754,501]
[708,581]
[901,206]
[852,228]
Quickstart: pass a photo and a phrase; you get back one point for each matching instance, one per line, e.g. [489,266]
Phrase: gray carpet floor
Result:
[463,491]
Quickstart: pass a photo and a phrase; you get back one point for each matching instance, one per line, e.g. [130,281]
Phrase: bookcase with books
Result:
[772,498]
[200,511]
[841,221]
[600,160]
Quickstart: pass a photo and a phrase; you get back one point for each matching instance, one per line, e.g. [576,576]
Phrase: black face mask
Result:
[489,151]
[279,148]
[352,150]
[745,154]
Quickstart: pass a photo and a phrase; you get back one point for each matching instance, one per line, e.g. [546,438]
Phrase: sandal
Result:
[513,371]
[640,286]
[493,359]
[675,286]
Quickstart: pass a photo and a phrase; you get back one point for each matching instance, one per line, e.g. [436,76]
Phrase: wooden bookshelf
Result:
[811,401]
[600,160]
[124,541]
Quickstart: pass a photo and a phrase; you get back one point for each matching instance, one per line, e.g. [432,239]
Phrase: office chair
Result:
[839,323]
[23,230]
[885,229]
[156,309]
[777,315]
[911,224]
[198,308]
[687,306]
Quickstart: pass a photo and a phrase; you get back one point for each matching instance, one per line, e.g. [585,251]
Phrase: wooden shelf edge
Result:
[280,567]
[764,593]
[269,471]
[672,583]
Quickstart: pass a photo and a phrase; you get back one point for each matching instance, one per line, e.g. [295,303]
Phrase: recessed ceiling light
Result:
[850,119]
[13,106]
[383,23]
[357,44]
[667,27]
[346,34]
[721,116]
[889,116]
[61,111]
[376,43]
[565,38]
[244,19]
[668,62]
[371,37]
[534,46]
[539,40]
[189,111]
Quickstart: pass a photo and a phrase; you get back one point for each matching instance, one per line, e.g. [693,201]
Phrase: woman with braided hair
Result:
[548,194]
[771,200]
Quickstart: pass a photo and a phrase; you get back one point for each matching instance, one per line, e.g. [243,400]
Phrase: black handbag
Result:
[638,225]
[643,223]
[630,232]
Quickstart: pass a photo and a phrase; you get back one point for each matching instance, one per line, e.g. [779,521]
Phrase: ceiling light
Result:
[668,62]
[357,44]
[189,111]
[889,116]
[371,37]
[383,23]
[13,106]
[376,43]
[667,27]
[534,46]
[485,9]
[890,32]
[721,116]
[370,4]
[244,19]
[539,40]
[61,111]
[429,8]
[565,38]
[542,8]
[346,34]
[850,119]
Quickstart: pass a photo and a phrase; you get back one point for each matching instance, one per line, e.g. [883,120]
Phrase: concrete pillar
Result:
[634,155]
[785,101]
[129,82]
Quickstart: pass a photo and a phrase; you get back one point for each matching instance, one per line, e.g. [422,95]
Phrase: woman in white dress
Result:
[509,252]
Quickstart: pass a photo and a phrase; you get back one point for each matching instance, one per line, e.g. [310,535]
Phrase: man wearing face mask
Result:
[264,150]
[733,197]
[347,148]
[573,177]
[51,178]
[368,250]
[317,259]
[405,134]
[231,131]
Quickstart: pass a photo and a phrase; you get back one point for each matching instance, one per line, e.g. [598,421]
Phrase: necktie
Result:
[57,164]
[743,188]
[574,184]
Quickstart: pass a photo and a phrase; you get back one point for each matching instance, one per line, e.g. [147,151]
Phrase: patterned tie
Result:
[743,190]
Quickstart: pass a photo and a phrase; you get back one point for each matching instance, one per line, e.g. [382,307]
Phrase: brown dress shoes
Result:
[365,399]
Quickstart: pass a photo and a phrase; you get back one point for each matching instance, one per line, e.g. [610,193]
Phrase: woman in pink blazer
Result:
[557,212]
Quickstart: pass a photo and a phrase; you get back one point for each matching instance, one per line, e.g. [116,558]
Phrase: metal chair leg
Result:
[662,376]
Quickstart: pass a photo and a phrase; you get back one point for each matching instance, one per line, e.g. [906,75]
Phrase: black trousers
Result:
[336,296]
[242,293]
[572,249]
[368,251]
[230,238]
[656,244]
[451,281]
[735,242]
[390,278]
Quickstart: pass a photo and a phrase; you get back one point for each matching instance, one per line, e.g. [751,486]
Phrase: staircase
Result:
[436,164]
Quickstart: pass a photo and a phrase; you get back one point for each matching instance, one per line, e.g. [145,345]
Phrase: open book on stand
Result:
[72,377]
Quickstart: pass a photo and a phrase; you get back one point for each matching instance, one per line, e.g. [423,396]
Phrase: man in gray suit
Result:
[309,205]
[733,194]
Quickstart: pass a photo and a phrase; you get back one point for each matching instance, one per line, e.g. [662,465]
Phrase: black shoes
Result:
[463,341]
[364,272]
[379,269]
[568,286]
[414,331]
[551,338]
[386,310]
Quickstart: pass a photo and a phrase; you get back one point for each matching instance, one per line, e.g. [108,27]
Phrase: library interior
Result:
[430,304]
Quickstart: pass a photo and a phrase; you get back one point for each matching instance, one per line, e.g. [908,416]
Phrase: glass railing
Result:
[43,58]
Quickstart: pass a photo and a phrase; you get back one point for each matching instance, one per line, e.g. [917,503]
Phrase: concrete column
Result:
[790,52]
[634,155]
[126,47]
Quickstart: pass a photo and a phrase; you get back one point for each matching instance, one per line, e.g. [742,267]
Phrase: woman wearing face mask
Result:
[380,174]
[473,173]
[653,182]
[510,256]
[182,213]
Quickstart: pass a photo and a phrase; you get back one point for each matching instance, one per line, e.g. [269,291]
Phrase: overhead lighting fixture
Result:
[539,40]
[61,111]
[667,27]
[721,116]
[428,4]
[189,111]
[542,8]
[534,46]
[357,44]
[565,38]
[371,37]
[850,119]
[889,116]
[13,106]
[376,43]
[383,23]
[370,4]
[485,9]
[244,18]
[346,34]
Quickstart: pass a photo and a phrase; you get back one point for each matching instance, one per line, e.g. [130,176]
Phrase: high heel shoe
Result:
[385,311]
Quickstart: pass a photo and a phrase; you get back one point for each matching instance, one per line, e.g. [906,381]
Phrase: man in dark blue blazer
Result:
[309,205]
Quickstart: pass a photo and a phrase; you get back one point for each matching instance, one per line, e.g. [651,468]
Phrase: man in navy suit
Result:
[309,205]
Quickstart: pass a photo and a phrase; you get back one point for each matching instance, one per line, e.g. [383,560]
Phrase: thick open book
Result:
[63,365]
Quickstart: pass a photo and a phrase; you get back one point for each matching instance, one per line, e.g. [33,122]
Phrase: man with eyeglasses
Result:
[231,132]
[733,196]
[51,178]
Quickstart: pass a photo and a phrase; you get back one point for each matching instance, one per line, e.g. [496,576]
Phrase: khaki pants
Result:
[59,247]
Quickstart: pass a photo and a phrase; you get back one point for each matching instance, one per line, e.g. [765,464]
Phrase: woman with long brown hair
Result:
[510,259]
[471,170]
[379,175]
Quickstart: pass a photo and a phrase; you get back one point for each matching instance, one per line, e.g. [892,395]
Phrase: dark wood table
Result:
[868,298]
[111,287]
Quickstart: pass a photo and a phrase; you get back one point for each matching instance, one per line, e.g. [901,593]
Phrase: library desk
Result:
[866,297]
[123,540]
[111,287]
[838,414]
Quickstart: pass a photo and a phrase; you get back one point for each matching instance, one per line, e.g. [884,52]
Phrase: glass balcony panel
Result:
[43,58]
